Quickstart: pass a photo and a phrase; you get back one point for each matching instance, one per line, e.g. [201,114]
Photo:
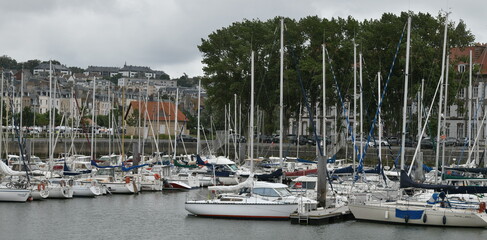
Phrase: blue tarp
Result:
[409,214]
[93,163]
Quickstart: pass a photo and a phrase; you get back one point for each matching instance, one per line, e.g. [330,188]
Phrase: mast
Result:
[440,105]
[21,102]
[361,112]
[324,100]
[405,101]
[380,120]
[469,124]
[252,113]
[50,119]
[235,126]
[281,95]
[354,127]
[198,121]
[445,111]
[420,111]
[176,122]
[93,121]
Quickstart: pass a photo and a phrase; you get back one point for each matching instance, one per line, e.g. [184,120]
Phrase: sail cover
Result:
[7,171]
[407,182]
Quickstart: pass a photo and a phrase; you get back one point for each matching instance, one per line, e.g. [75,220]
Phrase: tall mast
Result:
[361,111]
[176,122]
[445,112]
[252,113]
[469,124]
[281,96]
[440,105]
[93,121]
[354,127]
[380,120]
[21,101]
[324,100]
[199,112]
[50,117]
[405,101]
[235,125]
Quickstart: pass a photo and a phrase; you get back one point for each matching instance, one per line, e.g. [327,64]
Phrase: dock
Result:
[321,216]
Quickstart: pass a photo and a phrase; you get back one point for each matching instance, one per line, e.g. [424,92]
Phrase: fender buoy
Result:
[157,176]
[41,186]
[482,207]
[425,218]
[406,218]
[444,219]
[127,179]
[62,183]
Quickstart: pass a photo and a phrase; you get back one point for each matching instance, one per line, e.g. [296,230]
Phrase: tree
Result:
[7,62]
[76,69]
[226,55]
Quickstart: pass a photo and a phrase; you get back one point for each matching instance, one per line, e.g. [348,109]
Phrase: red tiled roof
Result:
[166,110]
[479,56]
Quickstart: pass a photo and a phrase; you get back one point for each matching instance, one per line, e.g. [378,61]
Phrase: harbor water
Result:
[161,215]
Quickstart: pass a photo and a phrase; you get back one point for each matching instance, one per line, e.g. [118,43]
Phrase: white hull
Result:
[64,192]
[86,191]
[387,212]
[39,195]
[121,188]
[14,195]
[176,185]
[151,186]
[249,210]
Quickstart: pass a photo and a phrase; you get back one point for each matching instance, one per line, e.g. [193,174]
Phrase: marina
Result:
[289,133]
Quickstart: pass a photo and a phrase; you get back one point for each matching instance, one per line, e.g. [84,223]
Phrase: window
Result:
[461,67]
[461,94]
[448,111]
[268,192]
[475,92]
[447,129]
[460,130]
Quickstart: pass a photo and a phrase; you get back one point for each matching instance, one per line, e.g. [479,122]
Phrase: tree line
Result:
[226,55]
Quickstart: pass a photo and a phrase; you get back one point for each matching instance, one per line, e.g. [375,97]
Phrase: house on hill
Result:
[159,117]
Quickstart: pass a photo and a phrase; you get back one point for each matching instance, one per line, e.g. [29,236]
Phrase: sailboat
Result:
[250,199]
[415,211]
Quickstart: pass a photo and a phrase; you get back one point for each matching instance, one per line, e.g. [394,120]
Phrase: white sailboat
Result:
[250,199]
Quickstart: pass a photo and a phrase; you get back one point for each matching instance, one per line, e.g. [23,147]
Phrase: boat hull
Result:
[39,195]
[241,210]
[65,192]
[429,216]
[14,195]
[121,188]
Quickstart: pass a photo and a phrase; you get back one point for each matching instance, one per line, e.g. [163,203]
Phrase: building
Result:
[101,71]
[159,118]
[56,69]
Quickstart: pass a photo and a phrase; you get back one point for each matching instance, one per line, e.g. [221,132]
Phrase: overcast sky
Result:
[164,34]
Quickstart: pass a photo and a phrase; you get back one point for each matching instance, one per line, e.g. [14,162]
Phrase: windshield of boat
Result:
[233,167]
[267,192]
[284,192]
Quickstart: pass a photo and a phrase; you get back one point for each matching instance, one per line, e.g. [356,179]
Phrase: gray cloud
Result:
[164,34]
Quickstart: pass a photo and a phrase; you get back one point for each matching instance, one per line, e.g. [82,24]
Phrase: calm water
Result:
[162,216]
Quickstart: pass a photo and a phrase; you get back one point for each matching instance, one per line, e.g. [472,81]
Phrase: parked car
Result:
[237,137]
[301,140]
[383,142]
[394,141]
[427,143]
[451,141]
[364,141]
[186,138]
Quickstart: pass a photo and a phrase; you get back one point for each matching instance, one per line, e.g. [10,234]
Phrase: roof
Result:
[45,66]
[479,56]
[101,69]
[166,110]
[135,68]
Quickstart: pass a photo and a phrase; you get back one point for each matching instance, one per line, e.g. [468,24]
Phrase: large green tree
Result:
[226,55]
